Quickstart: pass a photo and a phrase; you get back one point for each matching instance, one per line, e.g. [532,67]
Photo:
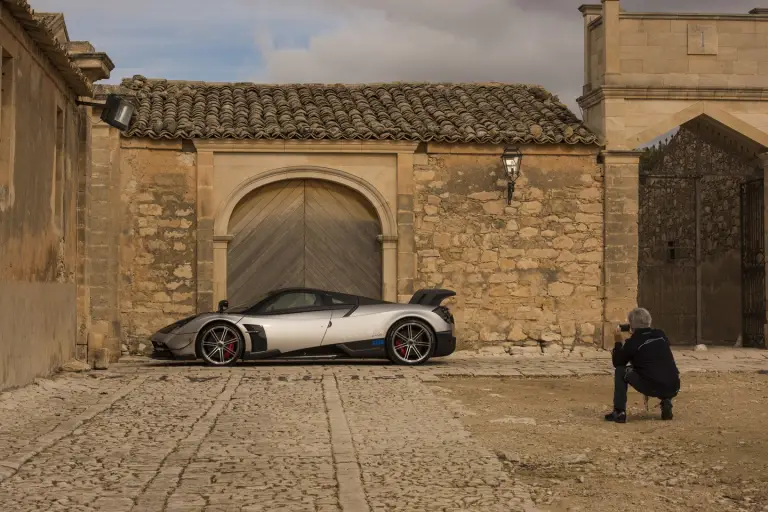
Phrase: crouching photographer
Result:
[653,371]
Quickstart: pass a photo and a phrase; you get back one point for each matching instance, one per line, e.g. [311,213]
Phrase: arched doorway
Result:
[701,257]
[303,232]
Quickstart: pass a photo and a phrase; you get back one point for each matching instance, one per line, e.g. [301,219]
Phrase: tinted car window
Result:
[340,299]
[293,300]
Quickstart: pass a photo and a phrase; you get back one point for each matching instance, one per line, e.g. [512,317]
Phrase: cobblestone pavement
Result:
[357,437]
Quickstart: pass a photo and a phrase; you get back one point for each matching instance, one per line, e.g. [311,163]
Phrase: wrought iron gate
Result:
[701,261]
[753,264]
[667,254]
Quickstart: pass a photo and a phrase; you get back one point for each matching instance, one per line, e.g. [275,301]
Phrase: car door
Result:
[346,329]
[294,320]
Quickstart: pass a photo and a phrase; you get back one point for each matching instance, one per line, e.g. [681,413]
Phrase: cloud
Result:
[530,41]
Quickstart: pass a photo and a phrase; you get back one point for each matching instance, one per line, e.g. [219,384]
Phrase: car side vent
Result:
[258,338]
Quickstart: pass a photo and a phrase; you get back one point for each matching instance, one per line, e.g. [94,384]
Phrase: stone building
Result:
[224,190]
[228,190]
[44,157]
[706,74]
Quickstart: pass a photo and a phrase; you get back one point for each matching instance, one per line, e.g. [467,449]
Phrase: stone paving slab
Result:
[344,436]
[31,412]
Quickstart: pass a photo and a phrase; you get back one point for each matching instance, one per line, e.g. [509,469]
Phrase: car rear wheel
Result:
[220,344]
[410,342]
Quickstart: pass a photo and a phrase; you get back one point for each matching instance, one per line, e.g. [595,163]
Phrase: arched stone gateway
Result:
[303,232]
[644,75]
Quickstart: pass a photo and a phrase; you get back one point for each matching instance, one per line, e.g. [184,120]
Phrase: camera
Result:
[624,327]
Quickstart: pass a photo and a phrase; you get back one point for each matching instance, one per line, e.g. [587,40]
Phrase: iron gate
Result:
[753,264]
[701,258]
[667,254]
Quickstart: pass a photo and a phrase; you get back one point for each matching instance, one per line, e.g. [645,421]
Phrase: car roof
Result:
[358,298]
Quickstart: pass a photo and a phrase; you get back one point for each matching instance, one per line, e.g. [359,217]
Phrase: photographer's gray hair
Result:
[639,318]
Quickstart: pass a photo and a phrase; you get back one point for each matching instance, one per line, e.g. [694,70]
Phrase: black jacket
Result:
[651,356]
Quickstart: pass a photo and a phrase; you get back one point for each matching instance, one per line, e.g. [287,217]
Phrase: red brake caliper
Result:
[400,348]
[231,348]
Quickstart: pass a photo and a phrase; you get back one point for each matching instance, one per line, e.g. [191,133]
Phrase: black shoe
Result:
[617,416]
[666,409]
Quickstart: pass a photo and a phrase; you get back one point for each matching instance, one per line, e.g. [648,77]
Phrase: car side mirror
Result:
[223,305]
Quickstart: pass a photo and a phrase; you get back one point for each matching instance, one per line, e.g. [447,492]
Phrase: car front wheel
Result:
[220,344]
[410,342]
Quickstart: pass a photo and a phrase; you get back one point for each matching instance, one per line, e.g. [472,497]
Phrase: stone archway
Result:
[335,179]
[701,238]
[303,233]
[646,73]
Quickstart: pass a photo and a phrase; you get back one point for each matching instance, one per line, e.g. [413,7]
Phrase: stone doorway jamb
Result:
[620,238]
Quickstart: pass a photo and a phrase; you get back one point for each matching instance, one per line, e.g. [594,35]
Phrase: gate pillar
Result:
[764,161]
[620,238]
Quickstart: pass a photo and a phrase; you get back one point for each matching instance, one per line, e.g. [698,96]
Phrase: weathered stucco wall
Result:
[39,169]
[529,273]
[158,251]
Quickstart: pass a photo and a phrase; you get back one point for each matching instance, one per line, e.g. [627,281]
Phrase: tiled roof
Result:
[53,21]
[454,113]
[38,29]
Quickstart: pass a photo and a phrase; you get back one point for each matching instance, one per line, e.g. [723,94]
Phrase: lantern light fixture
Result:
[512,159]
[117,111]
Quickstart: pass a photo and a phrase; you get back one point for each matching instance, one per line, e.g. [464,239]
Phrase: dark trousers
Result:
[625,376]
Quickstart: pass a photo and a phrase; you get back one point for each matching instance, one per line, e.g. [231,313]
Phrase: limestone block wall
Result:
[528,273]
[158,250]
[670,50]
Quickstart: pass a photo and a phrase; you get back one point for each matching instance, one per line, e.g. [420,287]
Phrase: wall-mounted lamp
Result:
[512,159]
[117,111]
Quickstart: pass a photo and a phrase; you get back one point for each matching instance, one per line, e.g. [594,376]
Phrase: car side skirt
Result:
[364,349]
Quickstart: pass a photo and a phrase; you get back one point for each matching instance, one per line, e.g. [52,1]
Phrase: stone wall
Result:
[158,251]
[39,171]
[677,50]
[526,274]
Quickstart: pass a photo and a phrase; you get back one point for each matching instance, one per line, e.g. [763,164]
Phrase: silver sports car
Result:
[307,323]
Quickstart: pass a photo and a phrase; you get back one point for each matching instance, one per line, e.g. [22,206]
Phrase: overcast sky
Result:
[529,41]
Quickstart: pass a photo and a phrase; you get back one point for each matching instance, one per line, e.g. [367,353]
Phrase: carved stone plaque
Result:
[702,39]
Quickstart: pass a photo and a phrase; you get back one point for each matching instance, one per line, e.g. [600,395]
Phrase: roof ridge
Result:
[141,78]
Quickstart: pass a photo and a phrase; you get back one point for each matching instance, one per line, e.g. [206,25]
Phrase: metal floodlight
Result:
[117,112]
[512,159]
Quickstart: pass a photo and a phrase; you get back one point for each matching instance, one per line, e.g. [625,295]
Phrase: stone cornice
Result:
[672,93]
[298,146]
[688,16]
[94,65]
[620,156]
[622,152]
[591,9]
[526,149]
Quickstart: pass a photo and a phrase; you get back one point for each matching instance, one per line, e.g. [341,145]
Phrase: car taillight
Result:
[444,313]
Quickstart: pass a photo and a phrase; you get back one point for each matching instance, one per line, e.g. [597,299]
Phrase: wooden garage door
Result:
[309,233]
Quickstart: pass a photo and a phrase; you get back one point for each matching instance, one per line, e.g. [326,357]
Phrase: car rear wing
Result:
[431,297]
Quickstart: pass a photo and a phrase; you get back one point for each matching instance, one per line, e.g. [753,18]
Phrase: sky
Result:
[350,41]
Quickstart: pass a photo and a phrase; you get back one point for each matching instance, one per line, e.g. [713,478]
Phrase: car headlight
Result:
[176,325]
[444,313]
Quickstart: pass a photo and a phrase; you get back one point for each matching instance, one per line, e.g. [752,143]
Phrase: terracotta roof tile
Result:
[454,113]
[37,27]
